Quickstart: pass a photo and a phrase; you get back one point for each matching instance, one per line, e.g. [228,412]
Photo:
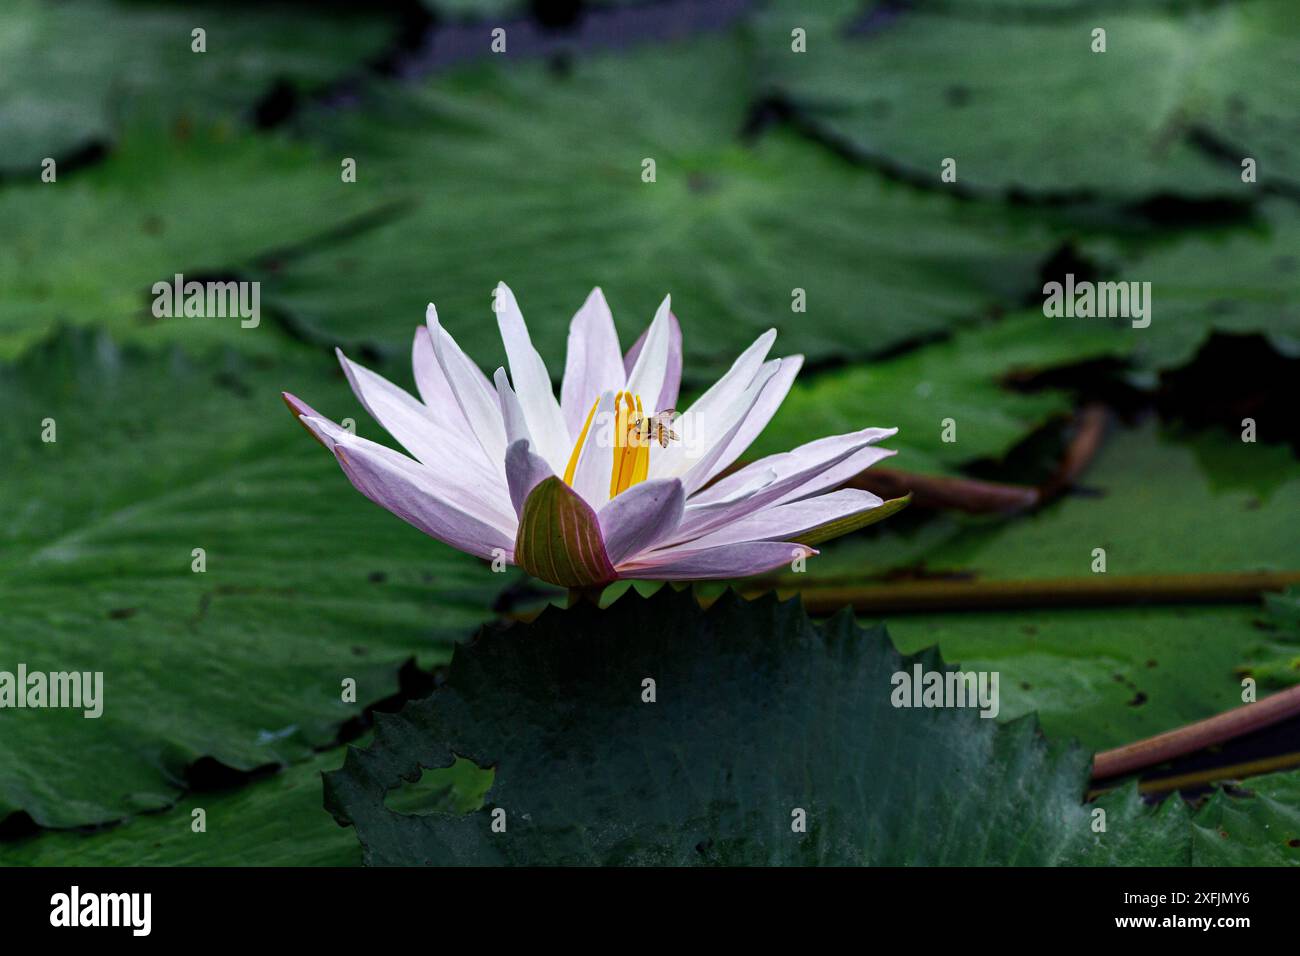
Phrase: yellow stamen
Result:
[577,446]
[620,475]
[631,451]
[641,457]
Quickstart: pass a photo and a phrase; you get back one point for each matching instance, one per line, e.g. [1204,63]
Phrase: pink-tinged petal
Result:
[794,470]
[487,505]
[470,475]
[596,459]
[836,475]
[437,394]
[696,474]
[786,463]
[853,522]
[532,382]
[641,517]
[672,374]
[774,393]
[755,481]
[400,485]
[728,561]
[592,365]
[299,408]
[712,414]
[396,409]
[511,412]
[650,370]
[791,522]
[325,432]
[559,538]
[524,472]
[477,399]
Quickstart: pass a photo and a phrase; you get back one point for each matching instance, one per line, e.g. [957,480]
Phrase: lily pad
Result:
[1274,662]
[1235,281]
[960,378]
[274,822]
[74,71]
[522,172]
[203,204]
[770,740]
[277,821]
[242,658]
[1024,104]
[1157,503]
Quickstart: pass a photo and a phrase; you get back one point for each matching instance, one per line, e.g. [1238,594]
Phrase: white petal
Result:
[673,374]
[647,376]
[774,394]
[436,392]
[837,474]
[596,459]
[641,517]
[593,364]
[733,416]
[786,463]
[728,561]
[524,471]
[421,497]
[706,419]
[477,399]
[511,413]
[412,425]
[532,382]
[405,418]
[805,467]
[789,521]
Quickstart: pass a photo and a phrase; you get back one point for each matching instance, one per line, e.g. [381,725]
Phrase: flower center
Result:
[630,447]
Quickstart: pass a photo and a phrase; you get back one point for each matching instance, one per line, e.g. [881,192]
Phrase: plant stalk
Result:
[1101,590]
[1204,733]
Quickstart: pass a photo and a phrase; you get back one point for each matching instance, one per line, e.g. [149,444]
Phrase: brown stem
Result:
[1201,778]
[1090,429]
[973,496]
[1101,590]
[940,492]
[1197,736]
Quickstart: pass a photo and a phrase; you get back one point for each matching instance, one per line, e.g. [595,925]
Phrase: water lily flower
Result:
[586,490]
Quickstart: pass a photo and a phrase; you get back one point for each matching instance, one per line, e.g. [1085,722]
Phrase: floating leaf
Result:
[1022,103]
[238,652]
[1157,503]
[1274,662]
[534,176]
[761,723]
[959,378]
[205,205]
[75,70]
[273,822]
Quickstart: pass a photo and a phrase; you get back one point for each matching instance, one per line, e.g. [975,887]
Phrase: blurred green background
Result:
[777,169]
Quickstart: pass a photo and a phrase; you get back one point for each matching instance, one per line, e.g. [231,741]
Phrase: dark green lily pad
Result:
[760,720]
[1023,104]
[74,71]
[522,173]
[306,583]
